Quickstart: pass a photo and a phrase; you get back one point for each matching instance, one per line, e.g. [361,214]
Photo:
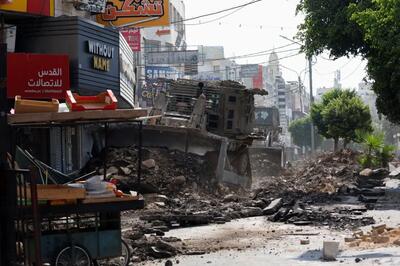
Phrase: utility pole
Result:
[311,92]
[311,103]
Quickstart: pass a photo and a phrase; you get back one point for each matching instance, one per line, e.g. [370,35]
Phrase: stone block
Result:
[330,250]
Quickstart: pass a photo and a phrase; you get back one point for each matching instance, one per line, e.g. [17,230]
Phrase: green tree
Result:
[369,28]
[301,132]
[340,115]
[376,152]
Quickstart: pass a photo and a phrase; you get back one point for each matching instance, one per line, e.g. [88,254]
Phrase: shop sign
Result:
[137,13]
[102,55]
[92,6]
[35,7]
[248,71]
[132,36]
[153,72]
[37,76]
[188,57]
[149,91]
[258,79]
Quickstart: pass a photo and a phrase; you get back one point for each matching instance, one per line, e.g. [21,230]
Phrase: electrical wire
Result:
[255,54]
[216,19]
[217,12]
[333,72]
[354,71]
[234,68]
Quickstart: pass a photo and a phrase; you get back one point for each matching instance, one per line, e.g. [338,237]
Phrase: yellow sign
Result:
[17,6]
[35,7]
[142,13]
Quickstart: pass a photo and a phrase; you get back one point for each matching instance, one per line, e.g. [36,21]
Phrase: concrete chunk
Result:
[151,163]
[366,172]
[330,250]
[273,207]
[305,242]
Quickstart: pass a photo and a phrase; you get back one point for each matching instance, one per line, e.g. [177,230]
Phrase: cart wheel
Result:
[75,256]
[123,260]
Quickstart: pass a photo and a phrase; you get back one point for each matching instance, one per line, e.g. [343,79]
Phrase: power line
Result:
[237,67]
[354,71]
[255,54]
[333,72]
[216,19]
[217,12]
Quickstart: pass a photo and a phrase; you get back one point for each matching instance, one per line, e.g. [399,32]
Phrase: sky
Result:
[258,27]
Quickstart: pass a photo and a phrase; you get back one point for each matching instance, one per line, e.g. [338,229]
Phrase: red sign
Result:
[163,32]
[132,36]
[258,79]
[37,76]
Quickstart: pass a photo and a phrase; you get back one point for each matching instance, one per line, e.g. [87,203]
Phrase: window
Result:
[229,125]
[232,99]
[216,69]
[152,46]
[231,114]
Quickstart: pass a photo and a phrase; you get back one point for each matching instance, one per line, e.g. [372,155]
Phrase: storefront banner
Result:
[258,79]
[249,70]
[154,72]
[132,36]
[35,7]
[135,13]
[37,76]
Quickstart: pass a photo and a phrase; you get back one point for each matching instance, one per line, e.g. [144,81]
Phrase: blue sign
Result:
[154,72]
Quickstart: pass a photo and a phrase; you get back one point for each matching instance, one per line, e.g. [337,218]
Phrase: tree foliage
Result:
[301,132]
[376,152]
[340,115]
[370,28]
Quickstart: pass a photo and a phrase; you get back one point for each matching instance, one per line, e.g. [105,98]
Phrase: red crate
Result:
[103,101]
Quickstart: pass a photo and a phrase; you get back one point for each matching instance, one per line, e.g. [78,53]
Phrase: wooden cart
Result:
[77,233]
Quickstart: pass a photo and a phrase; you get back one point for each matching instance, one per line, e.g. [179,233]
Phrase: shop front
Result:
[92,49]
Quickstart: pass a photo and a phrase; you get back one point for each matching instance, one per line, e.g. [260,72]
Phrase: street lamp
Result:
[311,91]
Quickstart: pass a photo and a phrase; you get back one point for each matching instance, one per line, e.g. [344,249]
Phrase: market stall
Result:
[69,224]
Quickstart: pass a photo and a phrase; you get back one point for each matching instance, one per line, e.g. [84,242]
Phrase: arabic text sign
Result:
[143,13]
[173,58]
[132,36]
[37,76]
[248,71]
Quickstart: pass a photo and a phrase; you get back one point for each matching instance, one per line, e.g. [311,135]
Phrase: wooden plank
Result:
[113,199]
[76,116]
[58,192]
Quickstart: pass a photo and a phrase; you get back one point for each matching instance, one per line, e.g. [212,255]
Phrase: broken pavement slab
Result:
[273,207]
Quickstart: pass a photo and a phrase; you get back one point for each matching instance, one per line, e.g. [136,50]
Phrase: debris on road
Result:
[379,235]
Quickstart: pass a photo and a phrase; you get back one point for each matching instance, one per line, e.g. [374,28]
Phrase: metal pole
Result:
[301,95]
[311,103]
[140,145]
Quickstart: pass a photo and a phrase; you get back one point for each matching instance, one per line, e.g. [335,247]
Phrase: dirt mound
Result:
[163,170]
[324,176]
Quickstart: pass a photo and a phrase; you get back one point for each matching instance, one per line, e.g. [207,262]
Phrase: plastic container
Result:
[103,101]
[34,106]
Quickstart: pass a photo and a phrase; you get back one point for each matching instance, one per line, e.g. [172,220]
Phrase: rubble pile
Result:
[369,178]
[380,235]
[317,179]
[303,214]
[163,171]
